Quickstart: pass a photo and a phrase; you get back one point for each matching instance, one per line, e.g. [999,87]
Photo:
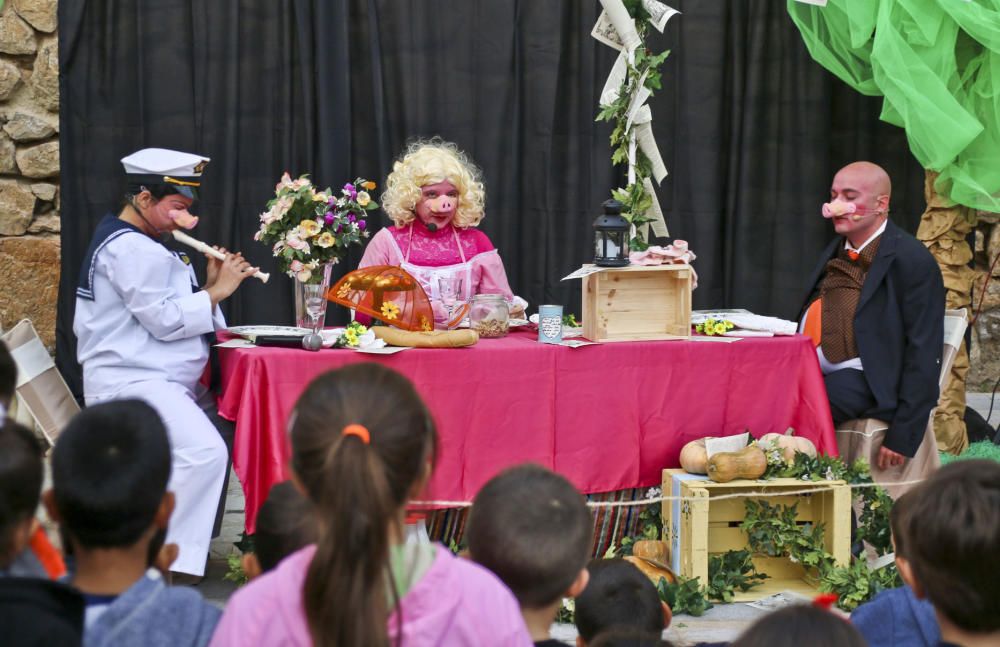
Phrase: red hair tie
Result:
[824,601]
[357,430]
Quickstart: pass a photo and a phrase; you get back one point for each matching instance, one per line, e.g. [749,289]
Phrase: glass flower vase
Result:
[320,277]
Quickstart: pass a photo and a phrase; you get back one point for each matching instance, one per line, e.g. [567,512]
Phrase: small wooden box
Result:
[700,528]
[637,303]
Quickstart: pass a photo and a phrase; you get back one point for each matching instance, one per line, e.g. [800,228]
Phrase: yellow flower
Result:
[351,337]
[363,198]
[390,310]
[368,184]
[720,328]
[425,324]
[319,196]
[343,290]
[309,228]
[325,239]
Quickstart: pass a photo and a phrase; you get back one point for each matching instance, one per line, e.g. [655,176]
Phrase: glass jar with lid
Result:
[489,315]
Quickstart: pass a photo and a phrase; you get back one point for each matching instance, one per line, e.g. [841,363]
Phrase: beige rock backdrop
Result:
[29,165]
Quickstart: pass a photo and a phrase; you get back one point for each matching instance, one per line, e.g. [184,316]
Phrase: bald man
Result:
[876,313]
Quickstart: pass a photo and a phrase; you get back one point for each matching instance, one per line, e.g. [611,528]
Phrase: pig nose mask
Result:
[442,204]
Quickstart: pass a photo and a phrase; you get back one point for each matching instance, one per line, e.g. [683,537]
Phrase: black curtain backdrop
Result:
[750,128]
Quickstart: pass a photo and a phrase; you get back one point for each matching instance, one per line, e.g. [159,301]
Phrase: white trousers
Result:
[199,463]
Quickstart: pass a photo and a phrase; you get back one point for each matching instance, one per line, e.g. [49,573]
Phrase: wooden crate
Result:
[697,529]
[637,303]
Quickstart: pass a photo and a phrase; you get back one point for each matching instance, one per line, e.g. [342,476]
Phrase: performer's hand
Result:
[213,267]
[888,458]
[232,272]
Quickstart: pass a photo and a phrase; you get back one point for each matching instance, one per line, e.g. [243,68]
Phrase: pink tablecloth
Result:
[608,417]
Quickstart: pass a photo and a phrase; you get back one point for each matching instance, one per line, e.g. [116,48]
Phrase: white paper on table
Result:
[726,443]
[236,342]
[586,270]
[779,600]
[647,144]
[748,333]
[612,87]
[385,350]
[623,23]
[604,32]
[658,223]
[719,338]
[576,343]
[660,13]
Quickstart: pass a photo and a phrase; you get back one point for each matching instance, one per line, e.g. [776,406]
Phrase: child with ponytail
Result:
[363,444]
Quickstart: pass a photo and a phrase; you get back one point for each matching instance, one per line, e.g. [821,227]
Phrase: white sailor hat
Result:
[160,166]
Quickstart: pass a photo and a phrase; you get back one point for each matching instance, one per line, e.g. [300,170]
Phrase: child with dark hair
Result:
[110,468]
[33,610]
[798,625]
[363,444]
[285,524]
[629,638]
[896,617]
[951,535]
[619,596]
[532,528]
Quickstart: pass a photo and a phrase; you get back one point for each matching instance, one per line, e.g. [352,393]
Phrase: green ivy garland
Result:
[636,202]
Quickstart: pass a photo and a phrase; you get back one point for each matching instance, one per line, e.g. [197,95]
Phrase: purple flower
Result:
[351,217]
[361,225]
[339,228]
[350,190]
[331,202]
[329,217]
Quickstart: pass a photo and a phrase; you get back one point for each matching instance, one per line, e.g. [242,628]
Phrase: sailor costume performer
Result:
[142,324]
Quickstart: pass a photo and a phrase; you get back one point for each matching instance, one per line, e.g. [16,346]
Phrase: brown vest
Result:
[840,291]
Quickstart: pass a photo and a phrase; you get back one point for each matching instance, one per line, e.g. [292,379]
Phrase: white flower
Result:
[284,183]
[313,264]
[654,492]
[278,247]
[304,276]
[295,242]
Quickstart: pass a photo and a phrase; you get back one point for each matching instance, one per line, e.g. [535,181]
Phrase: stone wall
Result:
[985,351]
[29,164]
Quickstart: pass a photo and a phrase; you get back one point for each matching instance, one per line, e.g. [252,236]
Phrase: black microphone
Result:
[431,227]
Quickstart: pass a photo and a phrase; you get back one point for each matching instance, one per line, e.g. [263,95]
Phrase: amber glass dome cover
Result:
[387,293]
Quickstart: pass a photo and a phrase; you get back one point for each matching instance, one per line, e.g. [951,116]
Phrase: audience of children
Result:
[33,609]
[532,528]
[951,535]
[798,625]
[284,525]
[896,617]
[110,469]
[363,444]
[618,596]
[331,565]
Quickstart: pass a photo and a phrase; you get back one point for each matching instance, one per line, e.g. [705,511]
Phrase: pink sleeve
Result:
[490,276]
[482,241]
[380,251]
[238,625]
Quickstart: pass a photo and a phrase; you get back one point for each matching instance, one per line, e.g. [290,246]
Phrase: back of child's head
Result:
[285,523]
[362,440]
[531,527]
[110,468]
[618,596]
[628,638]
[952,535]
[8,377]
[20,484]
[801,624]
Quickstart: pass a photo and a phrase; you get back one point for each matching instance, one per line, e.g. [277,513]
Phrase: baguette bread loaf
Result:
[430,339]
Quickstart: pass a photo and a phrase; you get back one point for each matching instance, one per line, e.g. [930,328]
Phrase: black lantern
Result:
[611,236]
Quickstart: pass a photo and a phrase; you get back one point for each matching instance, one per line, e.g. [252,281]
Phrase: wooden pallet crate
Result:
[700,528]
[638,303]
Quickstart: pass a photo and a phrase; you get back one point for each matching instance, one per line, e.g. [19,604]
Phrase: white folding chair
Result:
[41,389]
[862,438]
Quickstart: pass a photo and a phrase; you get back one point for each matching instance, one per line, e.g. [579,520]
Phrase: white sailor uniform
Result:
[140,324]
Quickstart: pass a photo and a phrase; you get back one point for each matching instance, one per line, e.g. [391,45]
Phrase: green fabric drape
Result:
[937,63]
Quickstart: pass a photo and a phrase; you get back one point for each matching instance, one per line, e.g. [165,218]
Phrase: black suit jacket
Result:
[899,328]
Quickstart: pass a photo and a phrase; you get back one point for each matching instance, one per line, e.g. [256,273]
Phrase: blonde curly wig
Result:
[429,162]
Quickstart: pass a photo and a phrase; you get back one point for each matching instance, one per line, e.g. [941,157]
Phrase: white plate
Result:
[281,331]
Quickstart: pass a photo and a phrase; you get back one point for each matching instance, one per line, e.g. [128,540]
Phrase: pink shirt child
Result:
[456,602]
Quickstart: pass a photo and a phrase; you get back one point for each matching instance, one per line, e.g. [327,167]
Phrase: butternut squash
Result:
[788,444]
[748,463]
[651,549]
[694,457]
